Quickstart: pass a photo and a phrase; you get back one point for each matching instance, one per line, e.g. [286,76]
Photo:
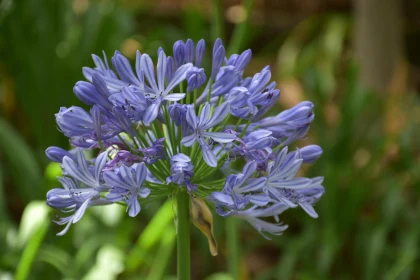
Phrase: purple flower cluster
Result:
[157,129]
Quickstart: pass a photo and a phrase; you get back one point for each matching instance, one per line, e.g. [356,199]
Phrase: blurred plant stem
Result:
[238,36]
[29,253]
[183,235]
[233,240]
[217,27]
[232,224]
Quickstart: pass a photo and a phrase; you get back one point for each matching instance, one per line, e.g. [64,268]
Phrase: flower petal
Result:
[112,179]
[174,96]
[253,185]
[100,164]
[204,115]
[151,112]
[220,113]
[149,71]
[209,157]
[220,137]
[192,117]
[161,71]
[309,209]
[260,199]
[294,184]
[178,77]
[189,140]
[141,173]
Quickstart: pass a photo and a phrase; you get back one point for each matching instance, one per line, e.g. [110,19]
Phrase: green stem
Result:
[183,235]
[233,244]
[239,33]
[217,26]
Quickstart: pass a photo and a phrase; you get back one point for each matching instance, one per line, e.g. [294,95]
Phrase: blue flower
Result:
[291,124]
[133,103]
[240,105]
[310,153]
[227,77]
[219,54]
[81,170]
[127,186]
[178,113]
[101,68]
[181,172]
[154,152]
[131,108]
[195,77]
[90,94]
[201,125]
[282,185]
[76,122]
[76,198]
[239,191]
[122,157]
[240,61]
[57,154]
[254,214]
[157,92]
[73,198]
[262,94]
[255,146]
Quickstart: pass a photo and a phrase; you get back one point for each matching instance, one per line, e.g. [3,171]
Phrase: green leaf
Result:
[30,251]
[21,161]
[150,236]
[35,213]
[109,263]
[163,256]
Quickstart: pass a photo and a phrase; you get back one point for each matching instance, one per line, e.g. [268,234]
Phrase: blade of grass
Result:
[239,34]
[150,236]
[30,251]
[23,166]
[167,244]
[217,28]
[58,258]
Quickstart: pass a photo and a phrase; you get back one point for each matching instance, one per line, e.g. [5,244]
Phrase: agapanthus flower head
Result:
[173,126]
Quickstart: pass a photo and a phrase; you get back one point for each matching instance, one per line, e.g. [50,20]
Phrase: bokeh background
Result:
[358,61]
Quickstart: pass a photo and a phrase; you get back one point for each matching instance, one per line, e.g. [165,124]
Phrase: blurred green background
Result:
[358,61]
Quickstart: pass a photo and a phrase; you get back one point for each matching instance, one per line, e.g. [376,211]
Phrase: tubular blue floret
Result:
[123,68]
[179,53]
[170,68]
[239,191]
[310,153]
[74,121]
[153,133]
[218,57]
[88,94]
[195,77]
[199,52]
[182,170]
[240,61]
[189,51]
[240,105]
[57,154]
